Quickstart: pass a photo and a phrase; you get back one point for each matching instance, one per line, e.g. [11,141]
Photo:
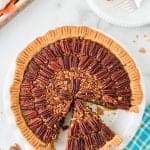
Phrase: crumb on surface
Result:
[137,36]
[142,50]
[134,41]
[15,147]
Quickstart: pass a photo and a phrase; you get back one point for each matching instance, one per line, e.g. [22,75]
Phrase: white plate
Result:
[121,122]
[120,17]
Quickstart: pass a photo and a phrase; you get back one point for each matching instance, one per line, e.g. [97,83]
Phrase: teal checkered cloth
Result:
[141,140]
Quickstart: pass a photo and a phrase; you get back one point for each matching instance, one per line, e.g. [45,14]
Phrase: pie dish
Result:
[62,71]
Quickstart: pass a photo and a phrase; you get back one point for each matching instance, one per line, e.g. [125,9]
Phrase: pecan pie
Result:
[62,71]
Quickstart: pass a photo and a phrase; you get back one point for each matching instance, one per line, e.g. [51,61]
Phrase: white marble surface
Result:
[41,16]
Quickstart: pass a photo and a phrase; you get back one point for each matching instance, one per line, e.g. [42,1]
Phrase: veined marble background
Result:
[43,15]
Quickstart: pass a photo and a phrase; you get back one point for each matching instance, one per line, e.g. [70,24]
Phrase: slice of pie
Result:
[71,65]
[88,132]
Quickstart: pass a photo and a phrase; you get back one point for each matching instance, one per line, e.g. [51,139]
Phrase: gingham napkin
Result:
[141,140]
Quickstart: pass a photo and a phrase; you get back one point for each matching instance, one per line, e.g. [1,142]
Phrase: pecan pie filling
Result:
[63,76]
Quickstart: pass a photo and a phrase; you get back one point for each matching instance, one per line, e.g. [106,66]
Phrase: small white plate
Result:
[121,122]
[119,16]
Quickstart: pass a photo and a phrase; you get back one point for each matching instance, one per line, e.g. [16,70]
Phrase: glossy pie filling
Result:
[65,75]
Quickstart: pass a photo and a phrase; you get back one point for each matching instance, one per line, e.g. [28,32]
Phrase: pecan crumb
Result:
[134,41]
[15,147]
[142,50]
[99,111]
[137,36]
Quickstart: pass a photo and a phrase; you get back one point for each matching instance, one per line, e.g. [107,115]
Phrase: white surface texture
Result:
[119,15]
[41,16]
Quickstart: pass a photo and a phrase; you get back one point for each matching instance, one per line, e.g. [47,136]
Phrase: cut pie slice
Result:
[88,132]
[66,64]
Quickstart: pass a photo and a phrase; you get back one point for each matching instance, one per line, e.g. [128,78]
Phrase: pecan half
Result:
[123,92]
[46,72]
[47,137]
[53,119]
[85,47]
[64,94]
[118,75]
[55,47]
[122,83]
[40,60]
[26,105]
[76,45]
[75,144]
[85,94]
[26,92]
[113,66]
[38,92]
[74,129]
[124,104]
[107,83]
[42,80]
[88,142]
[25,99]
[109,92]
[35,123]
[94,124]
[109,58]
[40,131]
[29,114]
[97,140]
[65,46]
[64,62]
[109,100]
[75,85]
[30,76]
[94,67]
[45,112]
[102,74]
[33,66]
[79,106]
[53,65]
[73,61]
[67,107]
[40,103]
[85,128]
[85,61]
[48,53]
[101,53]
[106,133]
[93,49]
[26,85]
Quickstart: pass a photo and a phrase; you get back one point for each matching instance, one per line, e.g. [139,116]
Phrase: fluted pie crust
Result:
[62,33]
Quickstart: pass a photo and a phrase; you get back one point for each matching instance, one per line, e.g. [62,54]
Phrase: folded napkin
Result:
[141,140]
[3,3]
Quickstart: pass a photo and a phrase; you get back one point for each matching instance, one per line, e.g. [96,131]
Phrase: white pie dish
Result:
[123,123]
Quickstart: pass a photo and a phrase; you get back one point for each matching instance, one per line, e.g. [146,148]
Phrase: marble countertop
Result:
[39,17]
